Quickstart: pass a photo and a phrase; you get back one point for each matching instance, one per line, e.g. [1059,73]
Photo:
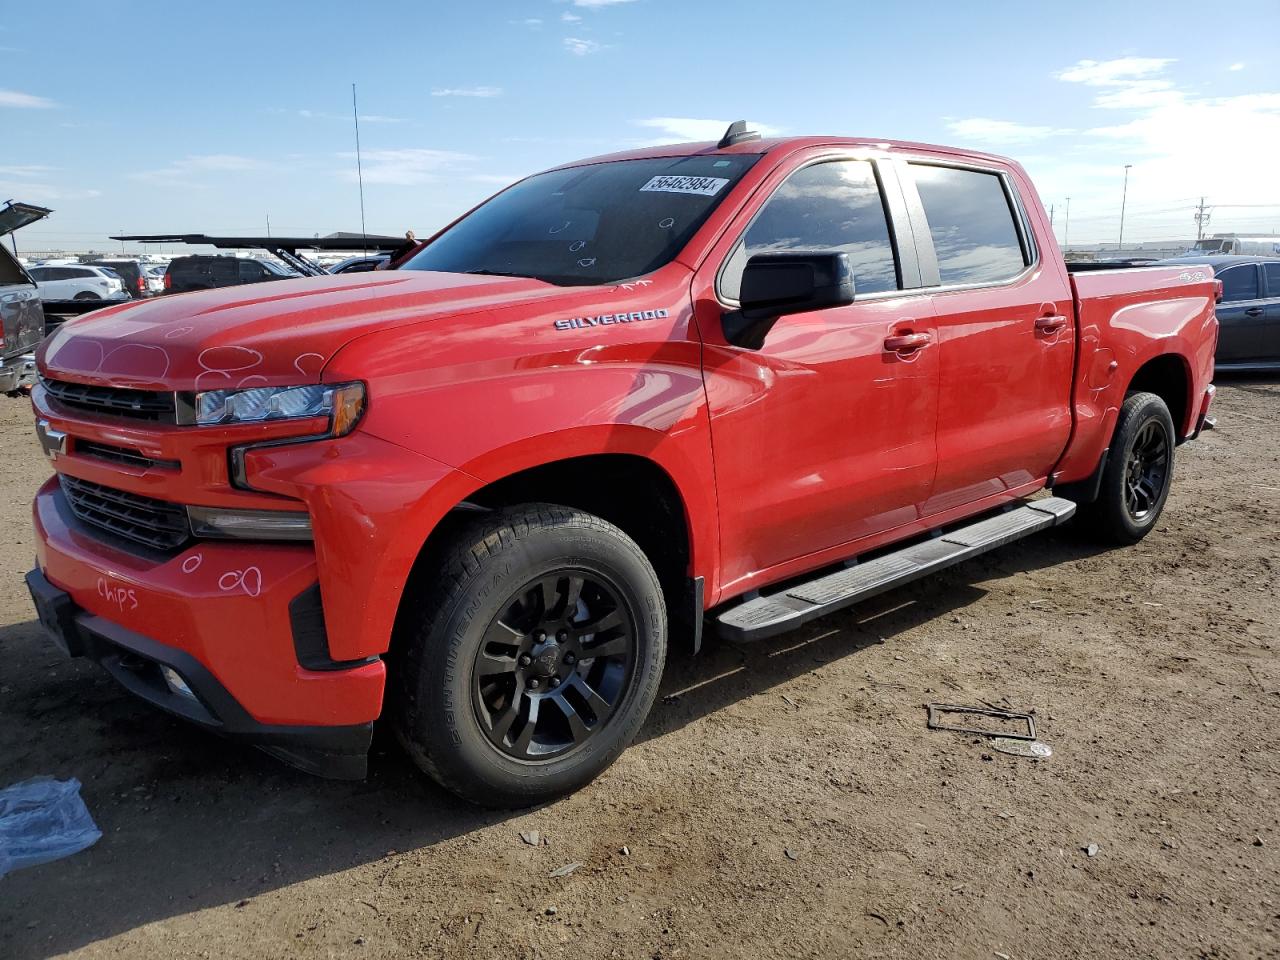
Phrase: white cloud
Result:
[25,170]
[568,17]
[484,92]
[1001,132]
[26,101]
[1105,73]
[597,4]
[364,117]
[526,22]
[406,167]
[185,171]
[1162,128]
[1236,66]
[580,48]
[689,128]
[35,192]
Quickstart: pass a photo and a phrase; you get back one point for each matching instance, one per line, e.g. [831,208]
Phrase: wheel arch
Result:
[1168,376]
[632,491]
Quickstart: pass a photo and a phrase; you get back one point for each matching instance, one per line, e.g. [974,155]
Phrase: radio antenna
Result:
[355,116]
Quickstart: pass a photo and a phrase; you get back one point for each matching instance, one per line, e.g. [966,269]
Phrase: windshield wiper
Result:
[493,273]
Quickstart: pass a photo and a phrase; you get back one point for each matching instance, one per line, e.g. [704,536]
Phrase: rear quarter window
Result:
[973,224]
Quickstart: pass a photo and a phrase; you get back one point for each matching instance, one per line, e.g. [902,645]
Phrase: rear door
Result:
[1006,334]
[822,437]
[1270,346]
[1242,315]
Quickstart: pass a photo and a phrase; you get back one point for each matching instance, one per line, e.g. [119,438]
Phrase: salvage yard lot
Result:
[783,800]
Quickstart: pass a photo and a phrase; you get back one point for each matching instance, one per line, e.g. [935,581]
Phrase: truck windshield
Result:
[588,225]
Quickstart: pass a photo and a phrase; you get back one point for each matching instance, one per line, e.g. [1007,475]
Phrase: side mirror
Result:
[775,284]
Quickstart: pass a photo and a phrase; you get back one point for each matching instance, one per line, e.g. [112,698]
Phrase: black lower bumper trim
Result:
[135,662]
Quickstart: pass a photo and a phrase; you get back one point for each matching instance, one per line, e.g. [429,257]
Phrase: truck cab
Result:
[735,385]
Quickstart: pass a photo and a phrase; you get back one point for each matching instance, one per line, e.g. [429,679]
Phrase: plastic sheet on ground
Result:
[43,819]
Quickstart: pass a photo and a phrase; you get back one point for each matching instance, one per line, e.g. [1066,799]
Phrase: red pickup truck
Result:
[741,383]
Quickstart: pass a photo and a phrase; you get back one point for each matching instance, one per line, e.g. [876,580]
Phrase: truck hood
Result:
[266,334]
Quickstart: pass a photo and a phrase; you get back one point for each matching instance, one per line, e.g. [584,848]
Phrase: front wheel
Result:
[1139,471]
[532,657]
[86,295]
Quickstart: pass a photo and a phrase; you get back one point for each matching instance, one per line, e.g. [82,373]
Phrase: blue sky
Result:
[151,117]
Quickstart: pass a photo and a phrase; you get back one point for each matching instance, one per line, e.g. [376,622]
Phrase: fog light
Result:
[173,680]
[249,524]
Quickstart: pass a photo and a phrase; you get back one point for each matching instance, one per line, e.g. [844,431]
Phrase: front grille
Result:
[153,523]
[153,405]
[126,455]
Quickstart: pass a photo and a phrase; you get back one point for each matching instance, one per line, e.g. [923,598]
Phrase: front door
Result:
[1006,338]
[824,436]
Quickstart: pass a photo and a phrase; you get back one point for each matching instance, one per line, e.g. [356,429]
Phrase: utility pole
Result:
[1066,225]
[268,224]
[1123,199]
[1051,217]
[1202,218]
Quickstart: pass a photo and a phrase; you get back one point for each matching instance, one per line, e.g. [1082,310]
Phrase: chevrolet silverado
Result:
[740,384]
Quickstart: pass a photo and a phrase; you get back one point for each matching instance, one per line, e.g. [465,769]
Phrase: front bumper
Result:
[136,662]
[17,372]
[223,615]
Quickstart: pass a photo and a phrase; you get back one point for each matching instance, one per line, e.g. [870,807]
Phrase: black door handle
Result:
[1253,312]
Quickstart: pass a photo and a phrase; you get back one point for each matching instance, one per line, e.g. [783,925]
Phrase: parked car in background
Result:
[363,264]
[203,272]
[1249,312]
[21,317]
[129,271]
[155,277]
[692,383]
[78,282]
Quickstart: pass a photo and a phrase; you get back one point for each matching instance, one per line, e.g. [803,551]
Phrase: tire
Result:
[86,295]
[1127,509]
[471,663]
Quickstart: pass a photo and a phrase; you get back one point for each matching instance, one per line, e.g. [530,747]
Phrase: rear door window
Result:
[828,207]
[1239,283]
[1272,272]
[973,224]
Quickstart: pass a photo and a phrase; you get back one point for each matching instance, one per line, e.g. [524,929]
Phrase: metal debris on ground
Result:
[1022,748]
[937,710]
[564,871]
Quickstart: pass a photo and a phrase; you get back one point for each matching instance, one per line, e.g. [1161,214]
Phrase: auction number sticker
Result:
[704,186]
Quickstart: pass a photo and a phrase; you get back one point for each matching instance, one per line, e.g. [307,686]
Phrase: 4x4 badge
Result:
[578,323]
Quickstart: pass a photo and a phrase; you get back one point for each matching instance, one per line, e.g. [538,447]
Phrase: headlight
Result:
[342,403]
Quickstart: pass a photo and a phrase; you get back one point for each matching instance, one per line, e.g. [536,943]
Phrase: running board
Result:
[768,616]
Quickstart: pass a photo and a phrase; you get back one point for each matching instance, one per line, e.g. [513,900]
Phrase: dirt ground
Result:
[784,799]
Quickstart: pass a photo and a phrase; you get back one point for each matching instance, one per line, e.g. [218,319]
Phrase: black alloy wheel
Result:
[553,665]
[1138,472]
[528,654]
[1147,470]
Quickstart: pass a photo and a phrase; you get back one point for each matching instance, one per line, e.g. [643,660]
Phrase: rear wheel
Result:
[1139,471]
[532,658]
[86,295]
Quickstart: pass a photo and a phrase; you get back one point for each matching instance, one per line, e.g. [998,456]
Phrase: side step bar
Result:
[768,616]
